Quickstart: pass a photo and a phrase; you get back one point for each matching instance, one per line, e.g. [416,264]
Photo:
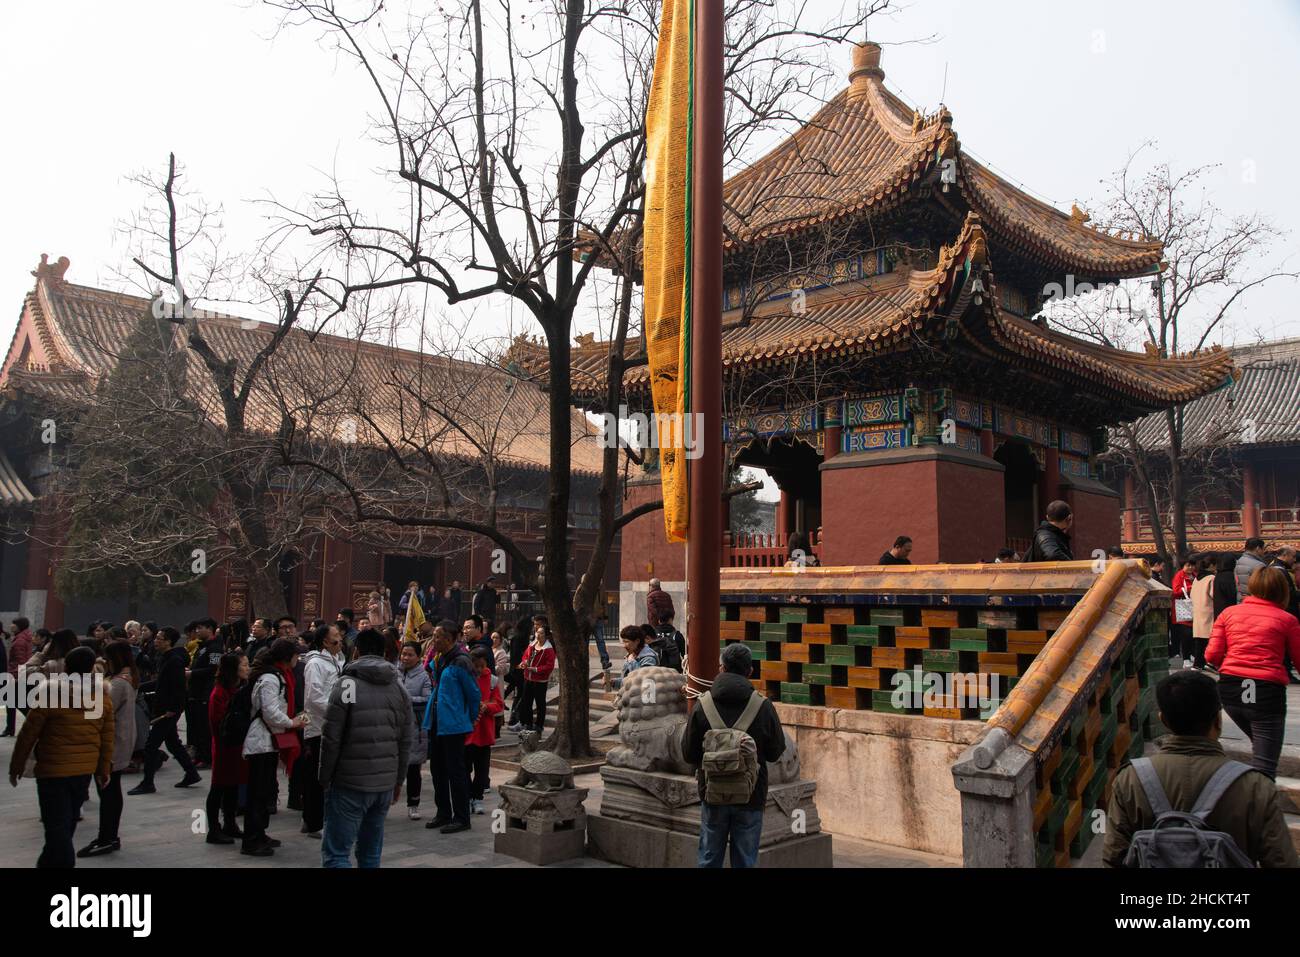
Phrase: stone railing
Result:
[1035,786]
[886,677]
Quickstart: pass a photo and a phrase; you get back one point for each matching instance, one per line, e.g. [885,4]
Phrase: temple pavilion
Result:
[883,356]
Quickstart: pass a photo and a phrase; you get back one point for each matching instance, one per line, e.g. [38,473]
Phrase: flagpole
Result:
[704,543]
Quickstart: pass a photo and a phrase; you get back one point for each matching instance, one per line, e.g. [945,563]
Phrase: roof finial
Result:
[44,269]
[866,67]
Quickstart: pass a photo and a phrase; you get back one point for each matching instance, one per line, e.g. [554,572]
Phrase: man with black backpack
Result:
[1189,805]
[731,735]
[669,644]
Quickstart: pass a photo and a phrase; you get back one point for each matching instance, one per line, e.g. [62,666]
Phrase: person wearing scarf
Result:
[270,739]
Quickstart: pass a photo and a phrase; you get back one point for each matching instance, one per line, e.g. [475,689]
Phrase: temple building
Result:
[68,339]
[1241,449]
[882,359]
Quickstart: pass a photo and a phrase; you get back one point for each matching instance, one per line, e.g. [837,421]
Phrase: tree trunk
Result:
[266,596]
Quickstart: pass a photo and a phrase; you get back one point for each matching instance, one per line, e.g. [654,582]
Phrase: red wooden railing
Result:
[1224,522]
[756,550]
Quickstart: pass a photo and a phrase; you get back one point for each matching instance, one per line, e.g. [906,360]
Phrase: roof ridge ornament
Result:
[51,272]
[866,68]
[1077,216]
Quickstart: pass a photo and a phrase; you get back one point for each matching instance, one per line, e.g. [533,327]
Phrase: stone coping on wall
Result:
[1051,583]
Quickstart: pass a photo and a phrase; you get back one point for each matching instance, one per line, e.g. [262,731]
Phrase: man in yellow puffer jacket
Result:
[72,743]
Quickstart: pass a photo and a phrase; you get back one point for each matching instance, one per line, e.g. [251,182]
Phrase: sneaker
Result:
[98,847]
[314,835]
[455,827]
[413,813]
[514,728]
[473,806]
[143,788]
[189,780]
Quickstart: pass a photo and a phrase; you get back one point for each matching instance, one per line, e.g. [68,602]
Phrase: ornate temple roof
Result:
[862,153]
[68,338]
[887,312]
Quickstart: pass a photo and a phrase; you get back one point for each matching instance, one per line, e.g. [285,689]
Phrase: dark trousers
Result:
[413,780]
[11,716]
[534,705]
[1265,732]
[60,801]
[478,759]
[261,792]
[222,805]
[313,795]
[450,781]
[110,807]
[164,732]
[298,777]
[1262,716]
[1184,645]
[514,685]
[197,731]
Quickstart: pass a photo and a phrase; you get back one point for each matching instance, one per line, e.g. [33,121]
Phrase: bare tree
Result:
[520,135]
[1212,260]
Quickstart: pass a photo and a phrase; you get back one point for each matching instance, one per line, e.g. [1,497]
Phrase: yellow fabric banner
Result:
[414,619]
[667,254]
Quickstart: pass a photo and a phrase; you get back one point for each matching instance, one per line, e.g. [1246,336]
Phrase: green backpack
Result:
[730,762]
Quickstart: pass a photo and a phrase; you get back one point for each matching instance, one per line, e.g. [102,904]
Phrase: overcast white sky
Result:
[1054,95]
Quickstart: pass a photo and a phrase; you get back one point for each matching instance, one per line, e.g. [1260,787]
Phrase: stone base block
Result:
[541,848]
[641,845]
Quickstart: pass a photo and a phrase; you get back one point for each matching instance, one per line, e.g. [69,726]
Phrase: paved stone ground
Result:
[157,831]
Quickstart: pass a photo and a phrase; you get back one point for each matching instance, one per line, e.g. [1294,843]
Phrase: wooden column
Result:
[704,542]
[1250,501]
[784,514]
[1130,508]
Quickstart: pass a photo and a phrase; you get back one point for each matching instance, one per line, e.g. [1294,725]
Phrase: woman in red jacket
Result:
[478,743]
[1248,645]
[229,767]
[1180,616]
[538,663]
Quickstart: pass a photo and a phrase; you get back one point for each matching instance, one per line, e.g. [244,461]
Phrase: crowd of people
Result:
[351,710]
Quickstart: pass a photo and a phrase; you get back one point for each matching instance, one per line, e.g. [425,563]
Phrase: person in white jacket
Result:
[270,709]
[322,666]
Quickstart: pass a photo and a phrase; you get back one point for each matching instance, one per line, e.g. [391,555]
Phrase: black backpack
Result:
[239,716]
[667,648]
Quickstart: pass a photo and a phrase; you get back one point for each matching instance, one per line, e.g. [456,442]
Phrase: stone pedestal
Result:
[652,819]
[542,827]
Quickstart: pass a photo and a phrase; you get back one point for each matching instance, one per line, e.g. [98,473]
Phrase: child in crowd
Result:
[478,743]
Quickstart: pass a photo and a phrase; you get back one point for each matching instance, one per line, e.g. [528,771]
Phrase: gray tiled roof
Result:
[1260,407]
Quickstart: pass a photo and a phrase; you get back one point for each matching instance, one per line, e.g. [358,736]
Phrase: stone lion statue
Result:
[652,714]
[651,709]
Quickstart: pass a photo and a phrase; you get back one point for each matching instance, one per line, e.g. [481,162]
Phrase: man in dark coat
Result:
[742,823]
[658,603]
[1052,538]
[169,705]
[365,749]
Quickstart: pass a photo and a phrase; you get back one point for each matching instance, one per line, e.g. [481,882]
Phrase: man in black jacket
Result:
[1052,539]
[203,675]
[742,823]
[169,704]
